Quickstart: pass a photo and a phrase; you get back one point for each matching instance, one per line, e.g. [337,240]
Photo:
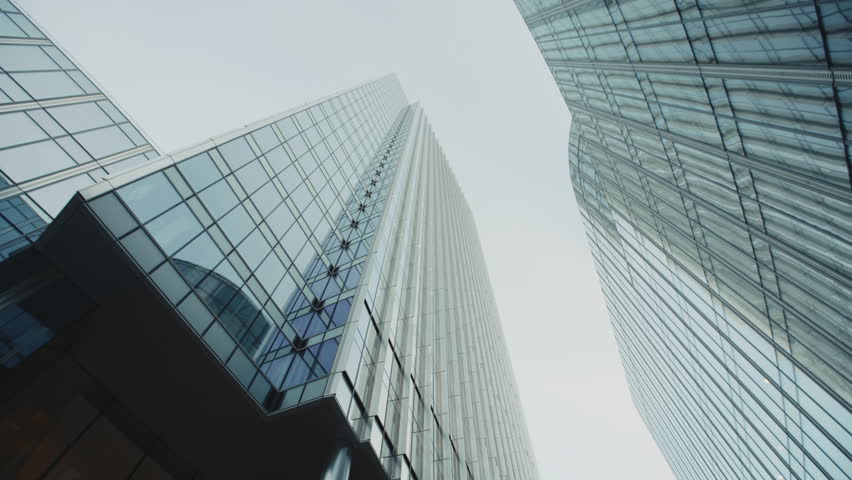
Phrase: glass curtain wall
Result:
[710,158]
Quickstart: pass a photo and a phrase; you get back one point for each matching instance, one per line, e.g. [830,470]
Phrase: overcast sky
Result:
[190,69]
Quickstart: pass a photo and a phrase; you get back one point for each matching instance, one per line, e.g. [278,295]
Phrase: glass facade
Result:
[59,133]
[325,254]
[710,159]
[260,241]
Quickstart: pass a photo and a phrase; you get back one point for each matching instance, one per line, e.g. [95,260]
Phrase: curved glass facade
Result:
[710,159]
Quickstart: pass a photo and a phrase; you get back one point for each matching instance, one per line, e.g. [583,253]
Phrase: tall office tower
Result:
[59,133]
[304,296]
[710,159]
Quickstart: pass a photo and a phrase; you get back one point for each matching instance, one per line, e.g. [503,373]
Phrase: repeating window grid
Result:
[636,204]
[698,419]
[801,19]
[741,360]
[53,112]
[14,24]
[702,279]
[173,176]
[447,456]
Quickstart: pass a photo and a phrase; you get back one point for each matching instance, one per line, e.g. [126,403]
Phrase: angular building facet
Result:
[300,297]
[710,158]
[59,133]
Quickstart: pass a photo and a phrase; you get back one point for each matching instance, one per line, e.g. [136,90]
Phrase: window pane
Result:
[17,163]
[17,58]
[9,29]
[174,229]
[104,142]
[43,85]
[266,139]
[200,171]
[201,252]
[53,197]
[219,198]
[236,224]
[252,176]
[17,128]
[149,196]
[236,153]
[84,116]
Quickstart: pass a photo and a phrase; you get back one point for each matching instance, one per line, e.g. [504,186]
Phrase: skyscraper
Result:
[300,297]
[59,133]
[710,159]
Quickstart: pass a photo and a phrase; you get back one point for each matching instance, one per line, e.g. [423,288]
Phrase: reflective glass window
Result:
[52,198]
[270,272]
[46,122]
[288,128]
[82,116]
[266,139]
[252,176]
[218,198]
[17,163]
[201,252]
[293,241]
[17,128]
[278,159]
[236,153]
[280,220]
[105,141]
[20,58]
[173,229]
[12,90]
[200,171]
[149,196]
[253,249]
[43,85]
[83,81]
[28,27]
[266,199]
[236,224]
[285,292]
[55,54]
[8,27]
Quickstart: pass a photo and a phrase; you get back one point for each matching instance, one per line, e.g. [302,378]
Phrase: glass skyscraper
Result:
[710,158]
[302,297]
[59,133]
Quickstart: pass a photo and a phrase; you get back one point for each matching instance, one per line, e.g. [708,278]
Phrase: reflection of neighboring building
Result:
[710,158]
[302,295]
[240,316]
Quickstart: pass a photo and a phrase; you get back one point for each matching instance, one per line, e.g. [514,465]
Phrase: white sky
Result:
[189,69]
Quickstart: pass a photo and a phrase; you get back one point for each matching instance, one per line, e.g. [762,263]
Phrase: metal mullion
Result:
[737,379]
[71,171]
[716,257]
